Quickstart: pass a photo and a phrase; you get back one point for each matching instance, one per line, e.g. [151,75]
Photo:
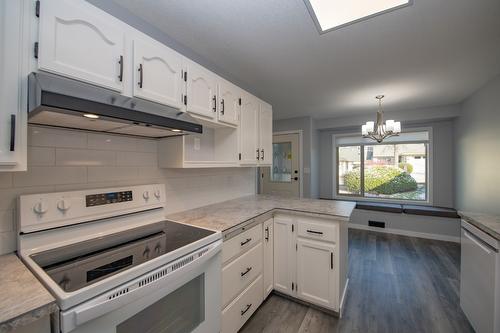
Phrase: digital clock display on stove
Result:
[108,198]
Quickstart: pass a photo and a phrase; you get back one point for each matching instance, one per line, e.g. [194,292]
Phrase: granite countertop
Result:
[23,299]
[228,214]
[488,223]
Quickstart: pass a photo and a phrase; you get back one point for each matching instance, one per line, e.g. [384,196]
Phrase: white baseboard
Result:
[409,233]
[342,300]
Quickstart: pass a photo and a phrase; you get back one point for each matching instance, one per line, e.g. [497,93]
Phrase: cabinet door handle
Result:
[246,241]
[246,309]
[258,154]
[331,260]
[141,77]
[267,234]
[246,271]
[262,155]
[222,104]
[120,76]
[214,99]
[12,132]
[314,232]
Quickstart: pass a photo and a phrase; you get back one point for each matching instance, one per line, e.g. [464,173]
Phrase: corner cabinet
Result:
[14,68]
[256,131]
[81,42]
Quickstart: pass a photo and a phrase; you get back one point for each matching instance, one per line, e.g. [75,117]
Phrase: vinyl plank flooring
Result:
[396,284]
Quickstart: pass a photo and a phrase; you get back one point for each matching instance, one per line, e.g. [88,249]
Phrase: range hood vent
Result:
[62,102]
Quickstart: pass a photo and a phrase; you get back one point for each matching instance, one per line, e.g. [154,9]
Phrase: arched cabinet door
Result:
[158,74]
[229,102]
[201,88]
[79,41]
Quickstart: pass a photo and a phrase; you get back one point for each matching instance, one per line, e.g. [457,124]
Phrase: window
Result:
[332,14]
[391,171]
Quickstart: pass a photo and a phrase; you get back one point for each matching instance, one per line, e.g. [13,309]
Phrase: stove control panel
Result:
[49,210]
[108,198]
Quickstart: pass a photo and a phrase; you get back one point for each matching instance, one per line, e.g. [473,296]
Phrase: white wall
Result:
[63,160]
[478,151]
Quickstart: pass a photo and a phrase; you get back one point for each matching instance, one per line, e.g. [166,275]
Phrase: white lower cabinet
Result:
[284,254]
[316,273]
[301,256]
[268,260]
[238,274]
[238,312]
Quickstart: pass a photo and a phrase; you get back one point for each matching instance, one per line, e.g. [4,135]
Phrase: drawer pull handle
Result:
[246,272]
[331,260]
[246,242]
[246,309]
[267,234]
[315,232]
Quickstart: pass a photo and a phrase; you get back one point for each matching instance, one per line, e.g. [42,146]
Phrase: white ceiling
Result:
[435,52]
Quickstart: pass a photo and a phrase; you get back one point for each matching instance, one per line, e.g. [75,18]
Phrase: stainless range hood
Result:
[62,102]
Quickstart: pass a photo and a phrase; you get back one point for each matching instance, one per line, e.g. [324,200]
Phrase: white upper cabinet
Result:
[249,141]
[201,91]
[256,131]
[79,41]
[266,133]
[158,73]
[14,50]
[229,98]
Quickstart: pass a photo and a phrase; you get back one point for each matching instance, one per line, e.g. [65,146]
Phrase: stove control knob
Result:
[146,252]
[157,194]
[145,195]
[64,204]
[40,207]
[157,248]
[64,283]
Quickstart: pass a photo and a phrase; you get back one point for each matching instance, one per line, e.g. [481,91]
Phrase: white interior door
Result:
[229,102]
[157,74]
[283,175]
[79,41]
[249,149]
[265,133]
[315,272]
[201,91]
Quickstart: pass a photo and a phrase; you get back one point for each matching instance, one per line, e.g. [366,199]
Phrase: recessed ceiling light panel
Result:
[334,14]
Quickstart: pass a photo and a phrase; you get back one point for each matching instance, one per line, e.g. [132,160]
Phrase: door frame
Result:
[301,161]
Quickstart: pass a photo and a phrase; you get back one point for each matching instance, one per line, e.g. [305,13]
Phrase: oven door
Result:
[183,296]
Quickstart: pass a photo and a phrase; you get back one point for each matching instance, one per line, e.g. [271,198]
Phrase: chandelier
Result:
[379,131]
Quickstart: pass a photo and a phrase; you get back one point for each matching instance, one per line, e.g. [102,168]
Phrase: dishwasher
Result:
[480,279]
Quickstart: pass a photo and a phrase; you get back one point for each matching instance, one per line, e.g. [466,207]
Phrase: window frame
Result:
[362,145]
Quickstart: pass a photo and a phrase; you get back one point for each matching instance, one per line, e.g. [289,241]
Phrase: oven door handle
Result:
[163,286]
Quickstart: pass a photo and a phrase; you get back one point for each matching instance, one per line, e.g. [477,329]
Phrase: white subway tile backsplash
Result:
[39,136]
[41,156]
[5,180]
[126,158]
[85,157]
[111,142]
[106,174]
[7,221]
[55,175]
[63,160]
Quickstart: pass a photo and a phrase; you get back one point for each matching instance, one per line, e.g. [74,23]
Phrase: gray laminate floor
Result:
[397,284]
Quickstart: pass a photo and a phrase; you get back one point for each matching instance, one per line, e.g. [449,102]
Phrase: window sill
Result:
[388,201]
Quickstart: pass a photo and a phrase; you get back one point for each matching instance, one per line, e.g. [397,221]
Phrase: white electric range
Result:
[115,265]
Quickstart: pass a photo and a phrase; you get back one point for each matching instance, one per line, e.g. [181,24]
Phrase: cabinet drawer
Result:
[318,229]
[240,243]
[238,312]
[238,274]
